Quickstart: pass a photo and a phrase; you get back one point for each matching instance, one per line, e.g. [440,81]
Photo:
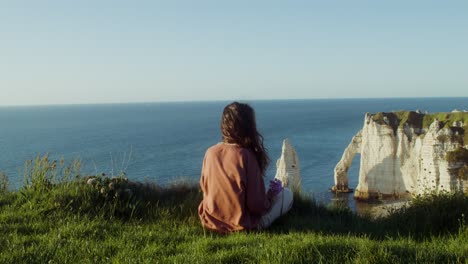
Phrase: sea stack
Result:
[407,153]
[287,167]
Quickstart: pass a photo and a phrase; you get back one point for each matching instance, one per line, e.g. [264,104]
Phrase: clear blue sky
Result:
[60,52]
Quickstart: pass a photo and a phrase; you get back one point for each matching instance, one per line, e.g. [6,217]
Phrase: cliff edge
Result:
[407,153]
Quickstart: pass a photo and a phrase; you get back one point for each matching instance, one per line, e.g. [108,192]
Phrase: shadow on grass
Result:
[428,216]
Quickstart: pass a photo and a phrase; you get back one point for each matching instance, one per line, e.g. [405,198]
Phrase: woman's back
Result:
[234,192]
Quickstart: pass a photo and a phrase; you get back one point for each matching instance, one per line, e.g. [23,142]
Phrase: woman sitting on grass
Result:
[234,196]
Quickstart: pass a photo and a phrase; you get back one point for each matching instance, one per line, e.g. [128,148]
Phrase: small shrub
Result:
[463,173]
[458,155]
[3,182]
[41,173]
[465,134]
[432,213]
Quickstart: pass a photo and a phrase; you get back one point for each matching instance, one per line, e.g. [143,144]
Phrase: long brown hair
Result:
[238,126]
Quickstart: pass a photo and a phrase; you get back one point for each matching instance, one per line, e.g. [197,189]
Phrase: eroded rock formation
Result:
[407,153]
[287,167]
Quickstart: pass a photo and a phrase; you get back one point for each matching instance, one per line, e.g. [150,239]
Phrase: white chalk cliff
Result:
[402,155]
[287,168]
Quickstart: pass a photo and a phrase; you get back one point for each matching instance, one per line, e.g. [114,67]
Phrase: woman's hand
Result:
[276,186]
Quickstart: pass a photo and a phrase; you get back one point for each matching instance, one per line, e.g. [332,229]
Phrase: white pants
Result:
[281,204]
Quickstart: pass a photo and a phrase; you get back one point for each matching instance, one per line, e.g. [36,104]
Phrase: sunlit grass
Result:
[58,219]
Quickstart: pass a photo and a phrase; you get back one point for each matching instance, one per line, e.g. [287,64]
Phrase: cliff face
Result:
[407,153]
[287,167]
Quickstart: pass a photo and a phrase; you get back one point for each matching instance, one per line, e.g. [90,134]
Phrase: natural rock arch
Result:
[406,153]
[341,169]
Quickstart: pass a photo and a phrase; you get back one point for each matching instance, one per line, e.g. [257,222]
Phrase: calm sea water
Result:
[163,142]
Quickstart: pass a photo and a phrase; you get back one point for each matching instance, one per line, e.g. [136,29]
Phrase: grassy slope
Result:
[38,228]
[53,221]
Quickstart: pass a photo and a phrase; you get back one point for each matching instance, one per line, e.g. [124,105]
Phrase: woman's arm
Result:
[256,197]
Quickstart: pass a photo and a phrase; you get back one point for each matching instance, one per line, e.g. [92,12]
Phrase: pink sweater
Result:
[234,195]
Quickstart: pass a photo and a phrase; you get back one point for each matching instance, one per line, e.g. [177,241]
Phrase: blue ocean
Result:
[165,142]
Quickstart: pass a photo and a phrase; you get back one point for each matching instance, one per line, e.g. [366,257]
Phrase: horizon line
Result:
[227,100]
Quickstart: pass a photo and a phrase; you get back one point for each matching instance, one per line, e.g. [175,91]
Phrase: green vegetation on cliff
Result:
[460,155]
[447,119]
[399,119]
[423,121]
[97,220]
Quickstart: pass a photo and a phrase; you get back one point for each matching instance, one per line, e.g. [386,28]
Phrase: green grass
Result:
[447,119]
[60,221]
